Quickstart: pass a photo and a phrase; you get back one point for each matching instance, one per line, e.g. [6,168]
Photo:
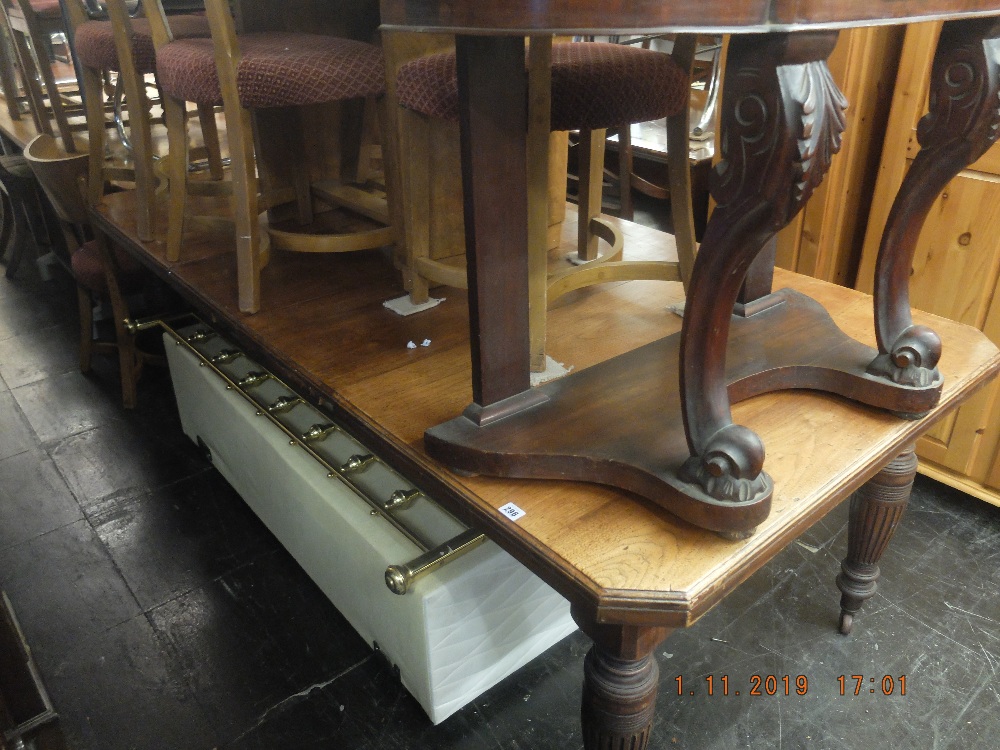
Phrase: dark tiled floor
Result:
[163,615]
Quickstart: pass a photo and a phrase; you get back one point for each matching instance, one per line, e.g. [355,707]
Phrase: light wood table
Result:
[631,570]
[659,421]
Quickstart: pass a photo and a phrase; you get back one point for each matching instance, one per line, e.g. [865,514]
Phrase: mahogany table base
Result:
[629,411]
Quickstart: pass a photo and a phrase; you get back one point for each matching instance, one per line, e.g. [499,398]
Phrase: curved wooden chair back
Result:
[62,177]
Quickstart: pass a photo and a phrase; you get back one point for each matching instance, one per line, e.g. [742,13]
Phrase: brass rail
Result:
[399,577]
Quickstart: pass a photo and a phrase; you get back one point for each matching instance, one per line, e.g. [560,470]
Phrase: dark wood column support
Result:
[493,121]
[782,121]
[959,128]
[620,681]
[875,511]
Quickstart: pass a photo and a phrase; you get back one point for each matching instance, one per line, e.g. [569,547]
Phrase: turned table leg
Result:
[875,511]
[620,681]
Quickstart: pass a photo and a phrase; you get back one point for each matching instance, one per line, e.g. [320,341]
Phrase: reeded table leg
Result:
[875,511]
[620,680]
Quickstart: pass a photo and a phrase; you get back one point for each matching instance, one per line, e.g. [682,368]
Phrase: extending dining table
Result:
[658,421]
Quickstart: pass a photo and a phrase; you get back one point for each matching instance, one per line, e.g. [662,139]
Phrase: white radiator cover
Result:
[459,630]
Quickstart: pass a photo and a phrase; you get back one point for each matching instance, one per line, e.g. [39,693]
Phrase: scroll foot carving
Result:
[875,512]
[730,469]
[962,124]
[912,359]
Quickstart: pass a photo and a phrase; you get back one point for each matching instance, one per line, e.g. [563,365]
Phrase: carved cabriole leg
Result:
[782,122]
[959,128]
[875,511]
[620,681]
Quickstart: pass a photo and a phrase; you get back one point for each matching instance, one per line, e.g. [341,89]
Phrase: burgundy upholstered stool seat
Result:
[279,71]
[595,85]
[47,9]
[276,70]
[94,41]
[88,269]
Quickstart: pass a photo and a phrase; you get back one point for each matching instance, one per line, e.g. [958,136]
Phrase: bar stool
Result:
[594,86]
[31,24]
[124,45]
[258,71]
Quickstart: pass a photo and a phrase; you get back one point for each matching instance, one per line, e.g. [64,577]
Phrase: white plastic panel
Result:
[458,631]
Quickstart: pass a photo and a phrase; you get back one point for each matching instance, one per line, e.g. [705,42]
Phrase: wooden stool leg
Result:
[8,79]
[591,181]
[416,201]
[55,98]
[176,118]
[210,137]
[90,80]
[627,210]
[86,308]
[539,136]
[620,681]
[875,511]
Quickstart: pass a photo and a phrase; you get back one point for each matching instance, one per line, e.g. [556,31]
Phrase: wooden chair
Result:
[98,272]
[706,71]
[31,24]
[25,222]
[124,46]
[272,71]
[594,86]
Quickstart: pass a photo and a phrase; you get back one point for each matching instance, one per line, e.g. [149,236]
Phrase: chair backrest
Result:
[62,176]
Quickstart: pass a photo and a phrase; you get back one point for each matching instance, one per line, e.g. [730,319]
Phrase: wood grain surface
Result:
[322,326]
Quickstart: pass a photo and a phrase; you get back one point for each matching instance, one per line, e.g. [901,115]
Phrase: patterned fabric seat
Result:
[94,42]
[278,71]
[47,9]
[88,269]
[275,70]
[594,85]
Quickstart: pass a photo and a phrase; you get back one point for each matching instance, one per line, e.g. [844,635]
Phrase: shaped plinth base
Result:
[619,423]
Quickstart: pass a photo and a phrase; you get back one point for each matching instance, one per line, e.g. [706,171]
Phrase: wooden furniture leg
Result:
[875,511]
[493,94]
[959,128]
[620,681]
[783,118]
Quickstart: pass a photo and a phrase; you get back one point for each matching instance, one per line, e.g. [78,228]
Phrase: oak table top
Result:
[618,556]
